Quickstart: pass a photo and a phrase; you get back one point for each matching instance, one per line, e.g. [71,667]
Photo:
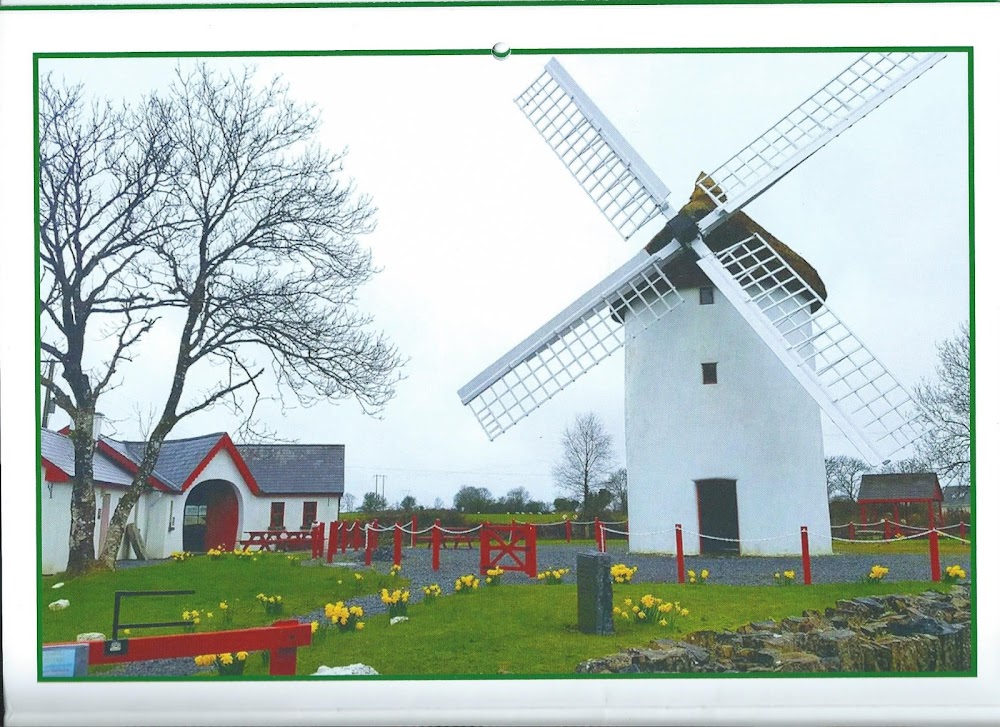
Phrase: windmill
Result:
[731,352]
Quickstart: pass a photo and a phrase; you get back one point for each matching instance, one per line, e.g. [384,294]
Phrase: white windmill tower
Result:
[723,393]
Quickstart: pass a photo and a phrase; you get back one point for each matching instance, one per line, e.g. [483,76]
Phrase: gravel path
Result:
[744,571]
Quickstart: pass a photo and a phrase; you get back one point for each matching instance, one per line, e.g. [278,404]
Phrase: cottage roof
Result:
[909,487]
[57,450]
[296,468]
[957,496]
[270,469]
[178,457]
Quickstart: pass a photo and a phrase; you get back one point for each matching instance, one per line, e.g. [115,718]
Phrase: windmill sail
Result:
[572,343]
[611,172]
[850,384]
[853,94]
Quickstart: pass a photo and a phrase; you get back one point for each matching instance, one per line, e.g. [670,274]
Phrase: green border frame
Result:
[968,50]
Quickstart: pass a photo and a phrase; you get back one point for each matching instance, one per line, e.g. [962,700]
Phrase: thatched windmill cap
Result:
[739,226]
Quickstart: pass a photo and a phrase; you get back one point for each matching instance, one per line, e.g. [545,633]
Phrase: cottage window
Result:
[709,373]
[277,516]
[706,295]
[308,514]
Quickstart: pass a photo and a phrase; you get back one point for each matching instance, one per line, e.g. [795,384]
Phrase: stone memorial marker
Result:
[65,660]
[593,593]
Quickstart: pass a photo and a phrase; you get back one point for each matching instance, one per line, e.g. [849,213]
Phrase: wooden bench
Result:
[278,539]
[456,539]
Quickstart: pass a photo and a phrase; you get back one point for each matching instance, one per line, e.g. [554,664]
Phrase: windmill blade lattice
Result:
[611,172]
[572,343]
[853,94]
[847,380]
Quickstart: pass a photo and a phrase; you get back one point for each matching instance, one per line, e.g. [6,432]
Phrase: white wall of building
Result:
[757,426]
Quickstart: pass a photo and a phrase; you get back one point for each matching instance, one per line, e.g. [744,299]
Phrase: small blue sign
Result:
[66,660]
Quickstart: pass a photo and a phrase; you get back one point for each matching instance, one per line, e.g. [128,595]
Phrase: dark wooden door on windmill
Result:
[718,517]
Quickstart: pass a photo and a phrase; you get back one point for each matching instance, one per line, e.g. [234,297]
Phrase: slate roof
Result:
[287,469]
[901,487]
[279,469]
[58,449]
[178,457]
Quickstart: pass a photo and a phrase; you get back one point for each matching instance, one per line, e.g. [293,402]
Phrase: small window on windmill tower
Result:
[706,295]
[709,373]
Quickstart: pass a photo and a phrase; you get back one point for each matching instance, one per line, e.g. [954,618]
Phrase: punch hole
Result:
[500,51]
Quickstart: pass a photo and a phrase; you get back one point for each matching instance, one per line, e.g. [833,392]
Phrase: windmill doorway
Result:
[211,517]
[718,517]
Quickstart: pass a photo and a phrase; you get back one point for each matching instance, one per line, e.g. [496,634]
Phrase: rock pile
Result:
[927,632]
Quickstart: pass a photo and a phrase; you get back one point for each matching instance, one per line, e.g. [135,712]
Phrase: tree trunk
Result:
[82,508]
[116,527]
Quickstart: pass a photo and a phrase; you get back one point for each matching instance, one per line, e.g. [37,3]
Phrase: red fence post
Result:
[368,542]
[530,553]
[397,544]
[332,547]
[597,533]
[895,519]
[806,564]
[932,539]
[282,661]
[345,537]
[569,530]
[886,535]
[961,528]
[436,545]
[318,542]
[850,531]
[679,539]
[357,535]
[374,533]
[413,531]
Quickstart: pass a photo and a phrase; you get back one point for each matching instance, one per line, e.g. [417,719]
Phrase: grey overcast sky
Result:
[482,234]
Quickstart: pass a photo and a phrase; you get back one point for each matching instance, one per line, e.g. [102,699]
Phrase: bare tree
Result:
[586,457]
[617,485]
[947,448]
[843,476]
[257,247]
[347,502]
[101,170]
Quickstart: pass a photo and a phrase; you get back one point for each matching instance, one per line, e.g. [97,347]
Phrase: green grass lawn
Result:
[236,581]
[532,629]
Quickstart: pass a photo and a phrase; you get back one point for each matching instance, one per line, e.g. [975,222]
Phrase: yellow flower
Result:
[704,574]
[208,615]
[691,574]
[789,574]
[635,609]
[684,612]
[242,655]
[186,615]
[313,626]
[641,614]
[616,610]
[692,579]
[541,576]
[126,631]
[223,605]
[359,625]
[628,601]
[663,622]
[226,659]
[489,579]
[196,620]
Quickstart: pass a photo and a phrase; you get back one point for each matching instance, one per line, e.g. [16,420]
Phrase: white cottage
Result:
[720,437]
[205,491]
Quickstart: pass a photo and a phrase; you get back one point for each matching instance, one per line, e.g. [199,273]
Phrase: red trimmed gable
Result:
[54,473]
[225,444]
[120,459]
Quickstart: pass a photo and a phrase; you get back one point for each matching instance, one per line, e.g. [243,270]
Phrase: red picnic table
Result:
[278,539]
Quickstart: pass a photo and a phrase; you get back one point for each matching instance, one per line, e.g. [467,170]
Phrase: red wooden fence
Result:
[519,544]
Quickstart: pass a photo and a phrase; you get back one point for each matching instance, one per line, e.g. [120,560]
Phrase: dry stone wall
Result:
[927,632]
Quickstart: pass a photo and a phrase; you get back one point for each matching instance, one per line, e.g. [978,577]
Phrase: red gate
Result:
[519,544]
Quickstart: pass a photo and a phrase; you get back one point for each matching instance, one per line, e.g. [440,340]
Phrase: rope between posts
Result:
[743,540]
[955,537]
[617,532]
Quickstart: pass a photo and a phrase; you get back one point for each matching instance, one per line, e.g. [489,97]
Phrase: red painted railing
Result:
[281,640]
